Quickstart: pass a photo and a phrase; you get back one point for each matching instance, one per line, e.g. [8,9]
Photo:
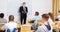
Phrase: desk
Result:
[1,27]
[57,25]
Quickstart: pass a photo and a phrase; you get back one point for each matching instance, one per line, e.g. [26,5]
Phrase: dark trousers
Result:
[23,18]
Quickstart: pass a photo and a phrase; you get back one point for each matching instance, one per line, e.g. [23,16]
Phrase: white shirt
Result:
[43,28]
[58,17]
[10,25]
[50,21]
[24,8]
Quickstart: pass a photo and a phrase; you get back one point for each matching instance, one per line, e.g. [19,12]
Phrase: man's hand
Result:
[24,12]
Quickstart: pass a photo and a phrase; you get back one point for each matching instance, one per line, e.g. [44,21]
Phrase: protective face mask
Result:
[24,5]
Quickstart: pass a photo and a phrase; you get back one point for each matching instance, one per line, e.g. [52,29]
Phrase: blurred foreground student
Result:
[35,19]
[2,20]
[45,27]
[11,25]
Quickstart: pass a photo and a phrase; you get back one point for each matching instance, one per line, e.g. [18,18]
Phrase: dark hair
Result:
[24,2]
[59,11]
[1,15]
[50,14]
[36,13]
[11,17]
[45,16]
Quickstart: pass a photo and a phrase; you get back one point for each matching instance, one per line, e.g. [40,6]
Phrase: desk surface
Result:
[57,25]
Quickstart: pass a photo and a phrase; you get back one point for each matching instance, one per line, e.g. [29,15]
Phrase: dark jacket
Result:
[21,9]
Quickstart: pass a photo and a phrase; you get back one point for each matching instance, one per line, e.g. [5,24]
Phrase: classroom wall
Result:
[3,7]
[11,7]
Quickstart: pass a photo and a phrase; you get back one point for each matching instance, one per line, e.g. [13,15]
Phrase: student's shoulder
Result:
[4,19]
[6,24]
[15,23]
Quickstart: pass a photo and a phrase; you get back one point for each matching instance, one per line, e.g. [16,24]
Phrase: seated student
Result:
[50,19]
[11,24]
[36,18]
[2,20]
[58,15]
[45,27]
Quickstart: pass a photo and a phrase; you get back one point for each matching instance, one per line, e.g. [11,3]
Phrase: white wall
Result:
[3,7]
[11,7]
[43,6]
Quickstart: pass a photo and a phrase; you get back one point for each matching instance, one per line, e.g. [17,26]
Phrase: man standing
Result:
[23,13]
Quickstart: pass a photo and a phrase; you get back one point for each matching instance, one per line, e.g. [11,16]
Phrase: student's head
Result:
[24,3]
[11,18]
[45,17]
[1,15]
[50,14]
[36,13]
[58,11]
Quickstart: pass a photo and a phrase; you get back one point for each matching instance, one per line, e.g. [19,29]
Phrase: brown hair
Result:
[24,2]
[11,18]
[59,11]
[50,14]
[36,13]
[45,16]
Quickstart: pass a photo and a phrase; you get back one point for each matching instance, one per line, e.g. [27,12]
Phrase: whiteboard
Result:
[11,7]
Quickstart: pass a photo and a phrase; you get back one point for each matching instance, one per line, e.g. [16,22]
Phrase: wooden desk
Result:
[57,25]
[1,27]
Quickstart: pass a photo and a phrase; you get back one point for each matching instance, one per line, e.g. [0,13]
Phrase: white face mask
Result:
[24,5]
